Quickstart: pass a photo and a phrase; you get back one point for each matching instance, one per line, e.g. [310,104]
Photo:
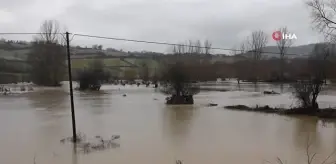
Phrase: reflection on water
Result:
[306,128]
[48,100]
[281,88]
[74,154]
[152,132]
[177,121]
[99,100]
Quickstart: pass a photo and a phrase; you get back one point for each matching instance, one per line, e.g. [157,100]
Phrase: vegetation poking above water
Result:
[177,83]
[92,77]
[96,144]
[321,113]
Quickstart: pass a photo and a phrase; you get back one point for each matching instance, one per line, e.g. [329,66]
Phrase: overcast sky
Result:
[224,22]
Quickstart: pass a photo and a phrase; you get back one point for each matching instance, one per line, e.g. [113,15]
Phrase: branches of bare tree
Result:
[179,49]
[255,45]
[257,42]
[323,17]
[190,46]
[319,59]
[311,156]
[207,47]
[50,32]
[283,44]
[197,47]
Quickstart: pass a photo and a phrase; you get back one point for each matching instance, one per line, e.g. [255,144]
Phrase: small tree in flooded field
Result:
[92,77]
[307,90]
[178,84]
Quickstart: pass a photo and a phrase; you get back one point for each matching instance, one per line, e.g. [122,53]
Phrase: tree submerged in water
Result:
[178,84]
[91,78]
[307,90]
[47,56]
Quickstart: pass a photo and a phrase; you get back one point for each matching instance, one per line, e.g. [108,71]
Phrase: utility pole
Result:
[74,136]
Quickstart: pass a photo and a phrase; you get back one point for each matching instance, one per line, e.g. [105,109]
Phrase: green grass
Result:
[82,63]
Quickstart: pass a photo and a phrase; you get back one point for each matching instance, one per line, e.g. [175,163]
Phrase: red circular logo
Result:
[277,35]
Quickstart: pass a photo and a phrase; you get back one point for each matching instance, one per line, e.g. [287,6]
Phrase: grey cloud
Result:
[14,4]
[226,23]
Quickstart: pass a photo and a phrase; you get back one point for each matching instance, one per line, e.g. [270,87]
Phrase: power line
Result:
[25,33]
[149,42]
[172,44]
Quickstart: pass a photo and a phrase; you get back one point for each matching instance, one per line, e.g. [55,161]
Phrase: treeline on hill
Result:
[198,70]
[266,70]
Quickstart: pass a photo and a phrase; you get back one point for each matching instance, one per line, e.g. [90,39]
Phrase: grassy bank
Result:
[327,113]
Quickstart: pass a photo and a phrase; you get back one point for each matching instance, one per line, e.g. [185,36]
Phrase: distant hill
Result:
[14,50]
[302,51]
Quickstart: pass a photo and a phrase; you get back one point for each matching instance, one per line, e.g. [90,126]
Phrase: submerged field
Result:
[32,124]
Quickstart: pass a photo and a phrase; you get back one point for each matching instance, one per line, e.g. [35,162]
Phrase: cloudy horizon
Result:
[225,23]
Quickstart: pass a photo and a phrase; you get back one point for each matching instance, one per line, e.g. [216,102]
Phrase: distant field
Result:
[82,63]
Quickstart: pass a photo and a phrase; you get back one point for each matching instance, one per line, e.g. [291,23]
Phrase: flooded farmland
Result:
[151,132]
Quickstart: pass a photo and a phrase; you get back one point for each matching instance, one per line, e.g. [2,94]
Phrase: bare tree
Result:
[197,47]
[180,48]
[323,17]
[308,90]
[191,47]
[50,32]
[306,93]
[321,59]
[283,45]
[207,47]
[47,56]
[256,43]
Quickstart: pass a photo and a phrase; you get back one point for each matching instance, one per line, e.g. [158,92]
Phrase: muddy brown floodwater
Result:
[32,124]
